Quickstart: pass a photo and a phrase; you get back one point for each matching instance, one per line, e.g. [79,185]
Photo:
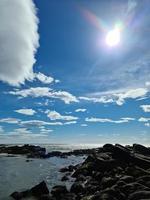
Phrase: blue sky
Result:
[59,80]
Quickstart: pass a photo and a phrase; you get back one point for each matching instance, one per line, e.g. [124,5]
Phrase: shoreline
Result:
[110,172]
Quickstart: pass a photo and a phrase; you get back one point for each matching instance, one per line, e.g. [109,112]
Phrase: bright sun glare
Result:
[113,37]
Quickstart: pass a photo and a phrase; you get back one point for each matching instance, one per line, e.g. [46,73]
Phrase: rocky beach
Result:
[111,172]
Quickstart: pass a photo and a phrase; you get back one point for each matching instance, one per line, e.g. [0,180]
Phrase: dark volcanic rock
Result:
[138,148]
[40,189]
[36,191]
[59,190]
[113,172]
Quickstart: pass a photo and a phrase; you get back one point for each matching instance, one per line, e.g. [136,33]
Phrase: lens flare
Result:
[113,37]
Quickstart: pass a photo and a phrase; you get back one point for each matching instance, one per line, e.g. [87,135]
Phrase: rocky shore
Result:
[113,172]
[33,151]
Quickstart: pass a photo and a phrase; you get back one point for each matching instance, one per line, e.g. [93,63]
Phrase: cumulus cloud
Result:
[146,108]
[18,39]
[144,119]
[44,92]
[80,110]
[53,115]
[43,78]
[106,120]
[26,111]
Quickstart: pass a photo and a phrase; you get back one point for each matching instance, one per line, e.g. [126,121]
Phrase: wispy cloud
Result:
[106,120]
[144,119]
[83,125]
[26,111]
[44,92]
[53,115]
[43,78]
[40,123]
[147,124]
[19,40]
[70,122]
[10,120]
[102,99]
[1,129]
[118,97]
[80,110]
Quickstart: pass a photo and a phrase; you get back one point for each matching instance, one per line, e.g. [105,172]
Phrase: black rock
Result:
[40,189]
[76,188]
[59,190]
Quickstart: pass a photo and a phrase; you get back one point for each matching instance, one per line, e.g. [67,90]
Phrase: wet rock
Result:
[36,191]
[46,197]
[76,188]
[59,190]
[20,195]
[64,178]
[40,189]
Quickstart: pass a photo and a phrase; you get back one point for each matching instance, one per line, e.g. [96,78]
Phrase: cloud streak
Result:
[106,120]
[26,111]
[19,40]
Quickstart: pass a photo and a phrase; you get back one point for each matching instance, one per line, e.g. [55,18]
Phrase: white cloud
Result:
[26,111]
[18,39]
[83,125]
[147,124]
[43,78]
[146,108]
[80,110]
[53,115]
[106,120]
[45,131]
[118,97]
[102,99]
[144,119]
[44,92]
[40,123]
[10,120]
[130,94]
[70,122]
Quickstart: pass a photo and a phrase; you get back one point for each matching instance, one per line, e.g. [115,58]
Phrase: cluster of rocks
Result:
[29,150]
[113,172]
[33,151]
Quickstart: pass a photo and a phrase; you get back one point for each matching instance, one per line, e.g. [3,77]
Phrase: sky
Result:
[62,80]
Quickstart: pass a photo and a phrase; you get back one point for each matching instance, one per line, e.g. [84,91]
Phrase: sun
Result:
[113,37]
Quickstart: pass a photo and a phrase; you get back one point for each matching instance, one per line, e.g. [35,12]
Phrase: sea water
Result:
[18,175]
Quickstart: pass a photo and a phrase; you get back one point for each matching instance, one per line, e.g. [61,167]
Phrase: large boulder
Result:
[40,189]
[138,148]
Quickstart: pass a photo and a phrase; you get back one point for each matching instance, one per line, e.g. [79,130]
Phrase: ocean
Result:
[17,175]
